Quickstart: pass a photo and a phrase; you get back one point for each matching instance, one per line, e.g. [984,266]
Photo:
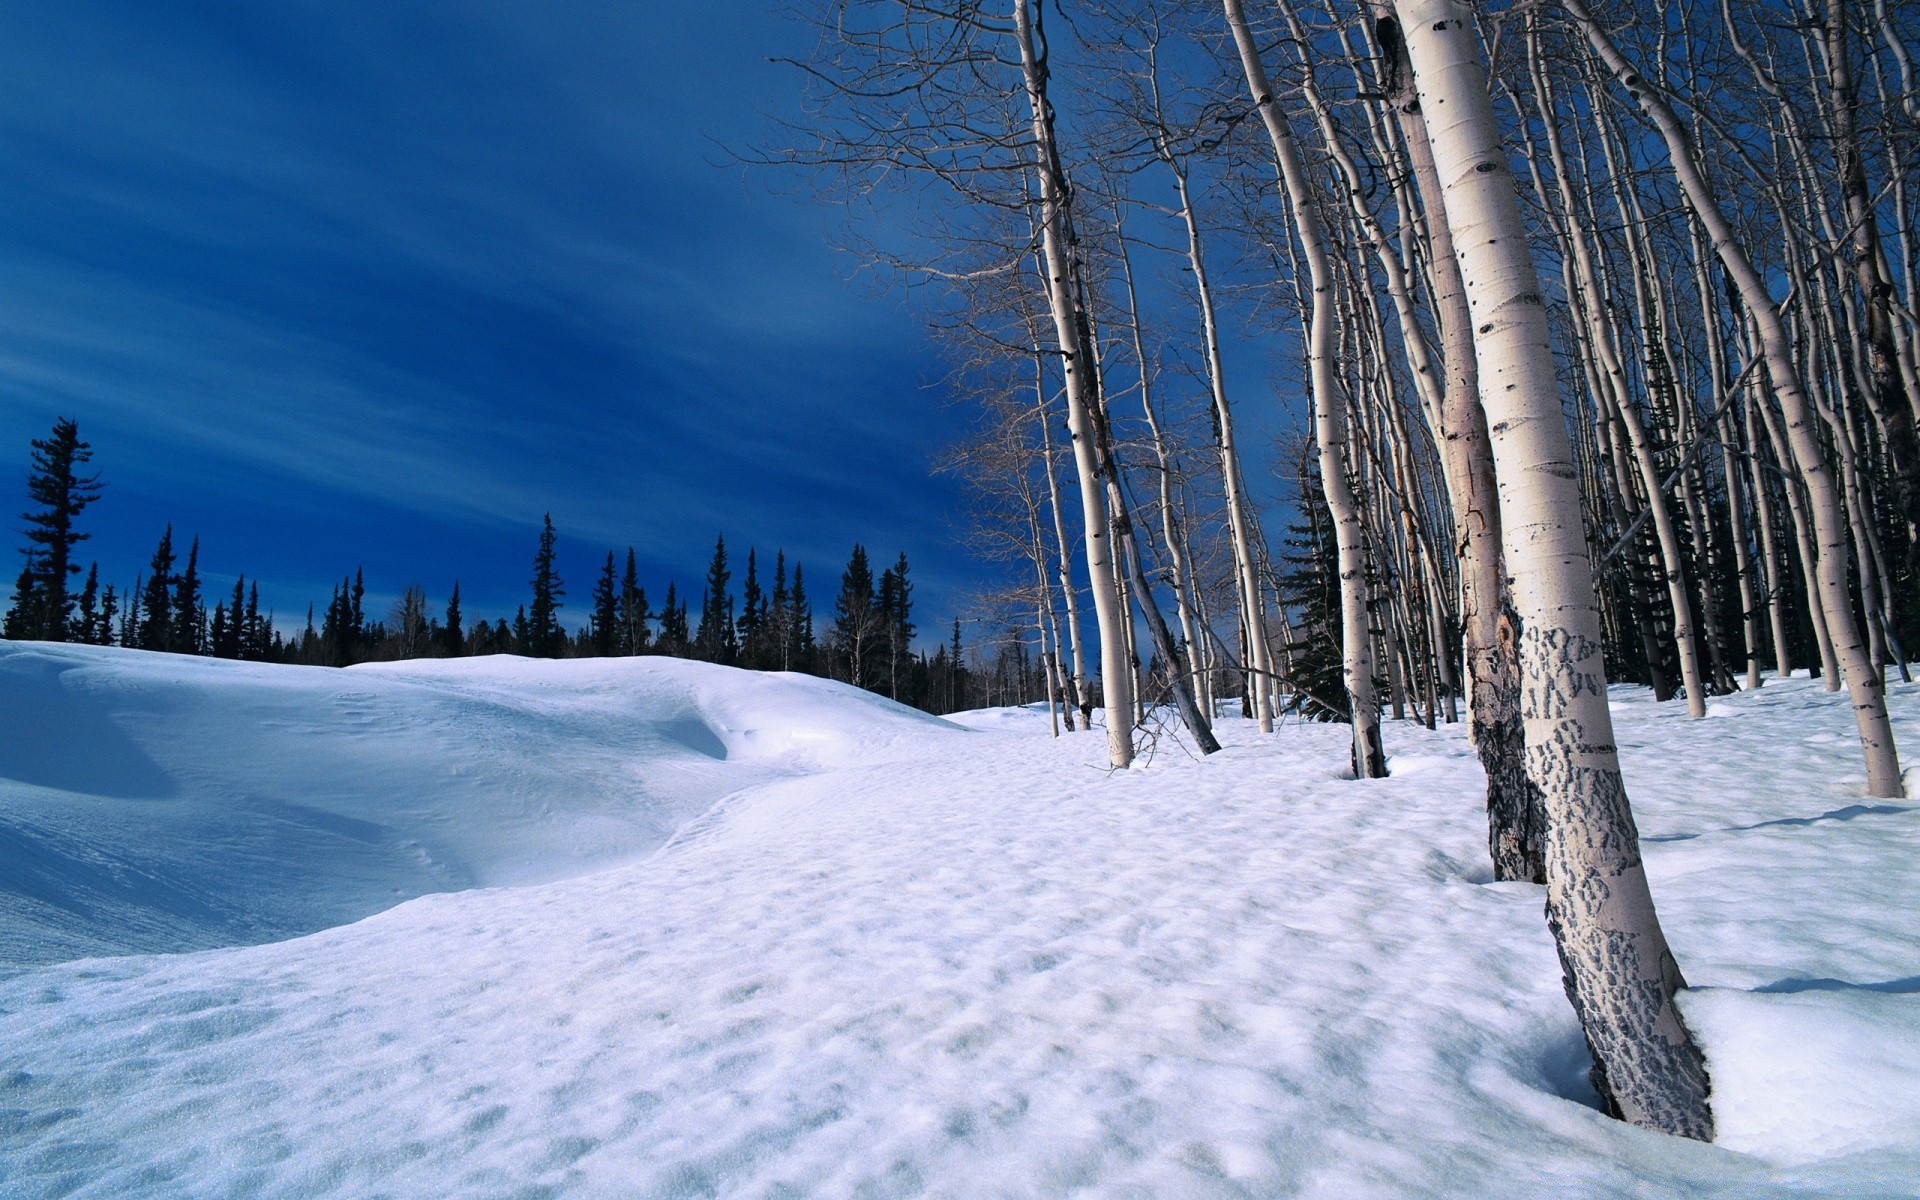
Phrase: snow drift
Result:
[152,802]
[909,960]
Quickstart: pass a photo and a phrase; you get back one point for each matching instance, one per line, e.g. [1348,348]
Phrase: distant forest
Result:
[866,639]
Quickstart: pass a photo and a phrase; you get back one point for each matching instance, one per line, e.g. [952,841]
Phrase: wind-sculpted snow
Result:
[161,803]
[980,965]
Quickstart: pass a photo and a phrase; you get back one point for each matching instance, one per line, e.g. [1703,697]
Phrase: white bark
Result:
[1865,687]
[1078,365]
[1329,414]
[1620,975]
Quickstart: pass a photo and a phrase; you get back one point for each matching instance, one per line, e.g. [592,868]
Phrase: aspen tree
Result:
[1620,975]
[1491,650]
[1329,412]
[1865,687]
[1078,366]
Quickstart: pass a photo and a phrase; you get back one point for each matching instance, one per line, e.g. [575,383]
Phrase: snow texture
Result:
[723,934]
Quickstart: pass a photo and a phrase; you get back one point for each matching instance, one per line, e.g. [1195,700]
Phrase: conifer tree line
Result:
[1604,364]
[767,624]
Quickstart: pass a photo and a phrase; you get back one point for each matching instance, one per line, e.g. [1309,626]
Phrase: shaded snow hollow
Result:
[769,936]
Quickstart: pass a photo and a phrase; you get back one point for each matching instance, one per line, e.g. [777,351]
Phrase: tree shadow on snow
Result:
[1899,987]
[1839,814]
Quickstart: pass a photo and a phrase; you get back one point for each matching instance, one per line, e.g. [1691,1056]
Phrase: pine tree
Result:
[254,644]
[109,608]
[780,615]
[1309,579]
[131,624]
[856,620]
[673,626]
[87,612]
[956,697]
[634,635]
[189,617]
[606,613]
[228,639]
[753,617]
[714,640]
[543,636]
[218,634]
[156,620]
[55,484]
[522,631]
[895,604]
[24,617]
[452,640]
[800,634]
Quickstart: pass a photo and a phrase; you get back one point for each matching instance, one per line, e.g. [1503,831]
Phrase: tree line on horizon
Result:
[867,639]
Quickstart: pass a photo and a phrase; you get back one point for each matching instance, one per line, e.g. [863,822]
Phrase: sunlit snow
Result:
[647,927]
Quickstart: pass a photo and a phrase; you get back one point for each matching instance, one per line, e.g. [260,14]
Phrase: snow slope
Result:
[151,802]
[978,964]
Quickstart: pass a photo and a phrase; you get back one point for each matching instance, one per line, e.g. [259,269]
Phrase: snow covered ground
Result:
[737,935]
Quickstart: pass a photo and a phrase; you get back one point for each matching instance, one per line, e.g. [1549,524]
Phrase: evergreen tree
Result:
[356,612]
[895,605]
[1309,586]
[189,616]
[779,621]
[800,633]
[452,639]
[542,636]
[86,624]
[217,634]
[156,619]
[522,631]
[714,640]
[62,493]
[633,610]
[24,616]
[606,613]
[229,623]
[753,617]
[957,695]
[673,626]
[130,625]
[254,643]
[856,621]
[109,608]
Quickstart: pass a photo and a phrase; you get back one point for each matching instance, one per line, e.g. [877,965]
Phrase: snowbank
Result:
[152,802]
[982,965]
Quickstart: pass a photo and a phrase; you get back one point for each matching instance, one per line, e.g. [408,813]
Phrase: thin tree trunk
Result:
[1490,642]
[1865,687]
[1329,409]
[1078,365]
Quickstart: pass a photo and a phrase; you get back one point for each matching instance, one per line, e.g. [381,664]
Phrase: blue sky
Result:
[338,284]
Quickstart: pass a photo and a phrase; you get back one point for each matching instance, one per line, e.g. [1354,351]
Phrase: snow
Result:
[867,953]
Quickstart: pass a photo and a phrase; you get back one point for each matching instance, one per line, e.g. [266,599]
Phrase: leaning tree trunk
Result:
[1329,415]
[1514,821]
[1620,975]
[1077,366]
[1866,688]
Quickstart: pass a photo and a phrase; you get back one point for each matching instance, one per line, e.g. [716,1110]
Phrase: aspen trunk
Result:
[1329,415]
[1866,688]
[1490,649]
[1078,366]
[1259,657]
[1078,699]
[1620,975]
[1885,388]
